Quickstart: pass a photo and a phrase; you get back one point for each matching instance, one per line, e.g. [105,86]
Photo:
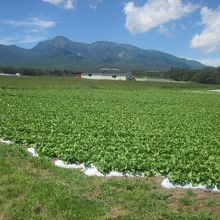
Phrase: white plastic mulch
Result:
[116,173]
[6,141]
[167,184]
[60,163]
[91,170]
[32,151]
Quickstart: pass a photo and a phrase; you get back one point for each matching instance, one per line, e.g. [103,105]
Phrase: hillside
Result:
[61,52]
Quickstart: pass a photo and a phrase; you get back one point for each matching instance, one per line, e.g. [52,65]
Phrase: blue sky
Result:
[185,28]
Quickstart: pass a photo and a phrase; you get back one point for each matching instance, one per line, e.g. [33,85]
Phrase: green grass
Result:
[210,202]
[43,82]
[32,188]
[185,200]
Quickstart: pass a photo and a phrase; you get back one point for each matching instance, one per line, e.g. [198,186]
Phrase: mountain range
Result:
[61,52]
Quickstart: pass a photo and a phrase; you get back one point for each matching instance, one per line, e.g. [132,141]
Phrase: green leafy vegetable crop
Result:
[166,131]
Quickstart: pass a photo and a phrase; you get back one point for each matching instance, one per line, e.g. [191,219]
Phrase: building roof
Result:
[108,71]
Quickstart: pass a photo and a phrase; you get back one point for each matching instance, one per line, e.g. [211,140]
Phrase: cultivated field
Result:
[134,127]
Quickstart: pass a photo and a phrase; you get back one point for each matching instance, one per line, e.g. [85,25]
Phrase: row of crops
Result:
[153,131]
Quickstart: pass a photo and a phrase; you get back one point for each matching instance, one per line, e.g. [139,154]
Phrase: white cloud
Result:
[211,61]
[209,39]
[67,4]
[93,4]
[215,62]
[30,30]
[21,39]
[155,13]
[53,2]
[6,40]
[28,39]
[34,23]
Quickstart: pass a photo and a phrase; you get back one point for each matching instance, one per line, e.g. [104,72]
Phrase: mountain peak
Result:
[57,42]
[61,39]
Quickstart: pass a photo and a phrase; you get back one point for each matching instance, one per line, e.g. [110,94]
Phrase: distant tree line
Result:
[207,75]
[35,72]
[148,73]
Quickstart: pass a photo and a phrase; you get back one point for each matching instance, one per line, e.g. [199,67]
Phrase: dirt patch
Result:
[37,209]
[156,180]
[116,212]
[194,200]
[3,217]
[93,196]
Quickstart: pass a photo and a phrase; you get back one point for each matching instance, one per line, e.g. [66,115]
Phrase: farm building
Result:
[10,74]
[106,74]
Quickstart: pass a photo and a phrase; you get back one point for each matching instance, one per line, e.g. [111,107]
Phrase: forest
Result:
[209,75]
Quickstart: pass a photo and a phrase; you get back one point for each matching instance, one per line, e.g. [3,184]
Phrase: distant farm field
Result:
[136,127]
